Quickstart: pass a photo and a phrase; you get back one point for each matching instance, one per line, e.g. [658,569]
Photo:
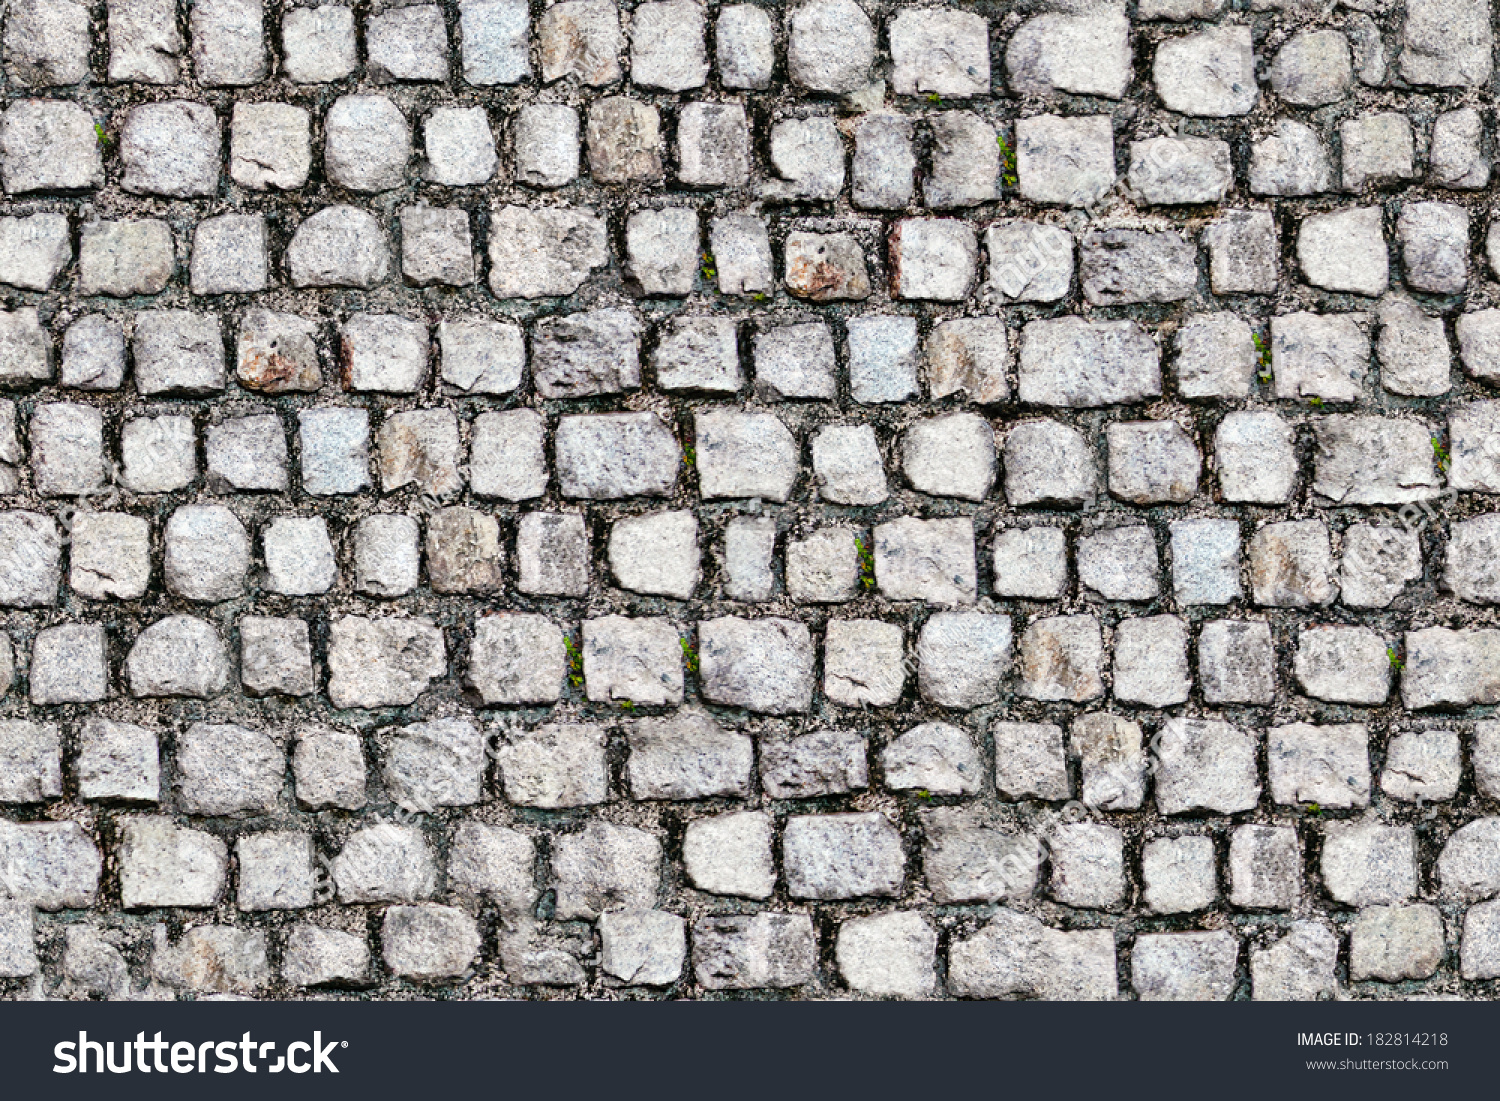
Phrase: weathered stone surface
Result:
[545,252]
[1365,863]
[1072,362]
[382,662]
[730,854]
[178,656]
[767,950]
[687,756]
[1015,954]
[1060,659]
[1211,73]
[763,665]
[824,762]
[1298,967]
[616,455]
[1197,967]
[164,865]
[558,765]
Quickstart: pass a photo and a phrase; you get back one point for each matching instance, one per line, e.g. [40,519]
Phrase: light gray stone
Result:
[118,761]
[767,950]
[494,39]
[275,870]
[170,149]
[1343,664]
[1209,74]
[49,865]
[552,554]
[639,660]
[1447,43]
[516,658]
[178,354]
[950,456]
[1178,874]
[385,863]
[67,450]
[830,47]
[47,42]
[1265,868]
[553,766]
[1030,563]
[965,162]
[687,756]
[318,45]
[386,556]
[93,354]
[1184,967]
[34,249]
[581,38]
[207,554]
[339,246]
[440,763]
[382,662]
[1366,863]
[329,769]
[1061,658]
[618,455]
[889,955]
[927,560]
[1068,161]
[1151,661]
[1291,565]
[1015,954]
[227,769]
[162,864]
[1378,150]
[51,145]
[384,353]
[1434,240]
[730,854]
[1236,662]
[247,453]
[178,656]
[763,665]
[270,145]
[144,41]
[824,762]
[436,247]
[837,856]
[1029,761]
[428,943]
[1299,967]
[1455,156]
[863,662]
[1468,868]
[367,143]
[1088,866]
[1049,464]
[934,757]
[314,956]
[69,664]
[1325,765]
[1119,563]
[1083,52]
[1391,943]
[605,867]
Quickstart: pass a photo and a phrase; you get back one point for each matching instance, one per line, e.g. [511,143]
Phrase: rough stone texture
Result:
[779,438]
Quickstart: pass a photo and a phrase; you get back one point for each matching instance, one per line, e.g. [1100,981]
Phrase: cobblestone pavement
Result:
[678,500]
